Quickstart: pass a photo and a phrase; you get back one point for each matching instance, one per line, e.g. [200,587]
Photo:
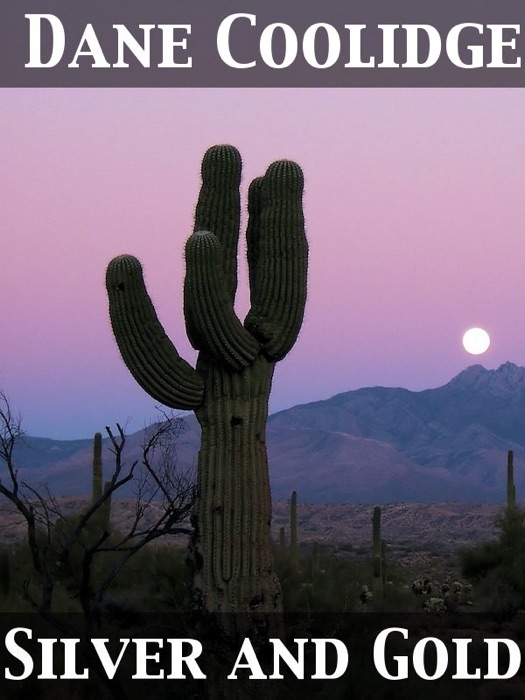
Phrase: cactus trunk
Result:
[231,545]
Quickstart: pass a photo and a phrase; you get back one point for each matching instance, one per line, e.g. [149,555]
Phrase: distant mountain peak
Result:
[507,377]
[510,368]
[470,373]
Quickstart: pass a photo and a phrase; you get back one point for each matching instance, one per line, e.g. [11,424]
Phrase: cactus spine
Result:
[378,581]
[511,487]
[229,388]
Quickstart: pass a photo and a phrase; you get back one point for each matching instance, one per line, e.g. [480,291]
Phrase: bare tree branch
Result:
[56,540]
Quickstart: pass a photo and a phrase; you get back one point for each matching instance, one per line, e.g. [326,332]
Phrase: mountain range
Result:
[370,445]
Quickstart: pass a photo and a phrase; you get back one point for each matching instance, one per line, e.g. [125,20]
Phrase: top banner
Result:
[275,43]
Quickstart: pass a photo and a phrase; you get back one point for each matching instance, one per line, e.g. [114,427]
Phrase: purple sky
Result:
[415,214]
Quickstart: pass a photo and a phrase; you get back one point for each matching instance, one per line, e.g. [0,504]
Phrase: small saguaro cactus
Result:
[231,547]
[294,544]
[97,468]
[383,563]
[104,512]
[378,581]
[511,487]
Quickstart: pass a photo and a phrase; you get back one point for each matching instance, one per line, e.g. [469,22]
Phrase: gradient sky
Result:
[415,212]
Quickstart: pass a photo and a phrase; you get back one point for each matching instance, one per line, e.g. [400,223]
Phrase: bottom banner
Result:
[358,655]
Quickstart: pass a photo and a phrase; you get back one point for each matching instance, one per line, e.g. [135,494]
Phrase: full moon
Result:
[476,341]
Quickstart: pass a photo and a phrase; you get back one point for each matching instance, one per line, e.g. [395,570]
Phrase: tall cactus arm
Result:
[211,323]
[219,208]
[277,258]
[145,348]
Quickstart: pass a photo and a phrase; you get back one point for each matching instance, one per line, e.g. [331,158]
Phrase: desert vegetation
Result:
[103,565]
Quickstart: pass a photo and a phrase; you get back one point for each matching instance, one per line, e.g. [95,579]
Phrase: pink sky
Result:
[415,214]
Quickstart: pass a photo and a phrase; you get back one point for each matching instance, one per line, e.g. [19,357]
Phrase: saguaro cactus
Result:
[511,487]
[294,543]
[104,514]
[97,468]
[229,389]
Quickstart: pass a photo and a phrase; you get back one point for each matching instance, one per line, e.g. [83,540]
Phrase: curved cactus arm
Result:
[277,258]
[211,323]
[145,348]
[219,208]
